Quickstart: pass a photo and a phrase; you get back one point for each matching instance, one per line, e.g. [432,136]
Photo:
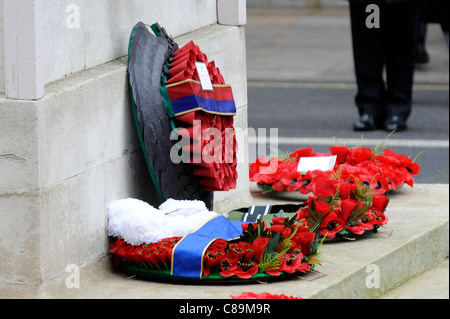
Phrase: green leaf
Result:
[444,175]
[359,144]
[379,149]
[420,153]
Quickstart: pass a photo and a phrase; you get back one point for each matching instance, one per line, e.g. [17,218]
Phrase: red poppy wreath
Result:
[281,248]
[346,201]
[381,170]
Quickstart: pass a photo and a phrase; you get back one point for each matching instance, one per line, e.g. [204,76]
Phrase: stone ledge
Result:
[65,157]
[419,218]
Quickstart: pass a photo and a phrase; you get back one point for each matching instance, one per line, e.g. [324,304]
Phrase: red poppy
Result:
[304,240]
[347,207]
[162,255]
[282,229]
[303,152]
[380,203]
[259,245]
[292,180]
[367,223]
[390,160]
[331,225]
[247,269]
[412,167]
[380,219]
[303,214]
[395,179]
[264,295]
[228,266]
[278,221]
[236,251]
[304,267]
[263,170]
[358,155]
[254,226]
[322,207]
[219,244]
[292,262]
[346,189]
[341,152]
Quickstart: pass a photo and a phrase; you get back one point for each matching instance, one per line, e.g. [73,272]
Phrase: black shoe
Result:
[366,123]
[395,123]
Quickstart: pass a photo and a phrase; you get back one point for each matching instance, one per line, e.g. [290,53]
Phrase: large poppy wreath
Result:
[382,171]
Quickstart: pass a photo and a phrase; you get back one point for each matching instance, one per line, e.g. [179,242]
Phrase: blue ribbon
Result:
[194,102]
[187,256]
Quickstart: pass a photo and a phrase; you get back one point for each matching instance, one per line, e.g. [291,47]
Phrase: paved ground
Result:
[300,71]
[300,65]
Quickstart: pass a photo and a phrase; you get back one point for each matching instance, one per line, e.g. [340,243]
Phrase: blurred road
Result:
[301,81]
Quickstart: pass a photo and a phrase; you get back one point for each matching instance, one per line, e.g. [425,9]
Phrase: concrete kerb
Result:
[418,240]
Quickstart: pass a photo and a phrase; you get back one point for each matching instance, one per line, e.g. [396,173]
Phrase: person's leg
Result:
[368,54]
[403,25]
[422,53]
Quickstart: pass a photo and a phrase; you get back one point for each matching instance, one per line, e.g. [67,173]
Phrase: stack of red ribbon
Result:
[205,117]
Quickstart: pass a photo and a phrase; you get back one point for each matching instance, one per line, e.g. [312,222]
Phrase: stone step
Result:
[368,268]
[431,284]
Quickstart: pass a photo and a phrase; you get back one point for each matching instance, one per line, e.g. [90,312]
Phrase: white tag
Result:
[322,163]
[203,74]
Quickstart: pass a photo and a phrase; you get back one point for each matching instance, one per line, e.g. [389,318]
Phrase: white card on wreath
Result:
[203,74]
[322,163]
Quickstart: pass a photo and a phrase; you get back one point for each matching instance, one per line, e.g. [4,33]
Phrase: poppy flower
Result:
[322,207]
[390,160]
[264,295]
[331,225]
[253,226]
[380,203]
[346,189]
[367,223]
[341,152]
[303,214]
[279,221]
[304,240]
[303,152]
[292,180]
[219,244]
[259,245]
[304,267]
[237,252]
[358,155]
[395,179]
[292,262]
[282,229]
[412,167]
[162,255]
[347,207]
[380,219]
[228,266]
[247,269]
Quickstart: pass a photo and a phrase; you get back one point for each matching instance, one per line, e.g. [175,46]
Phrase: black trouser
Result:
[392,46]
